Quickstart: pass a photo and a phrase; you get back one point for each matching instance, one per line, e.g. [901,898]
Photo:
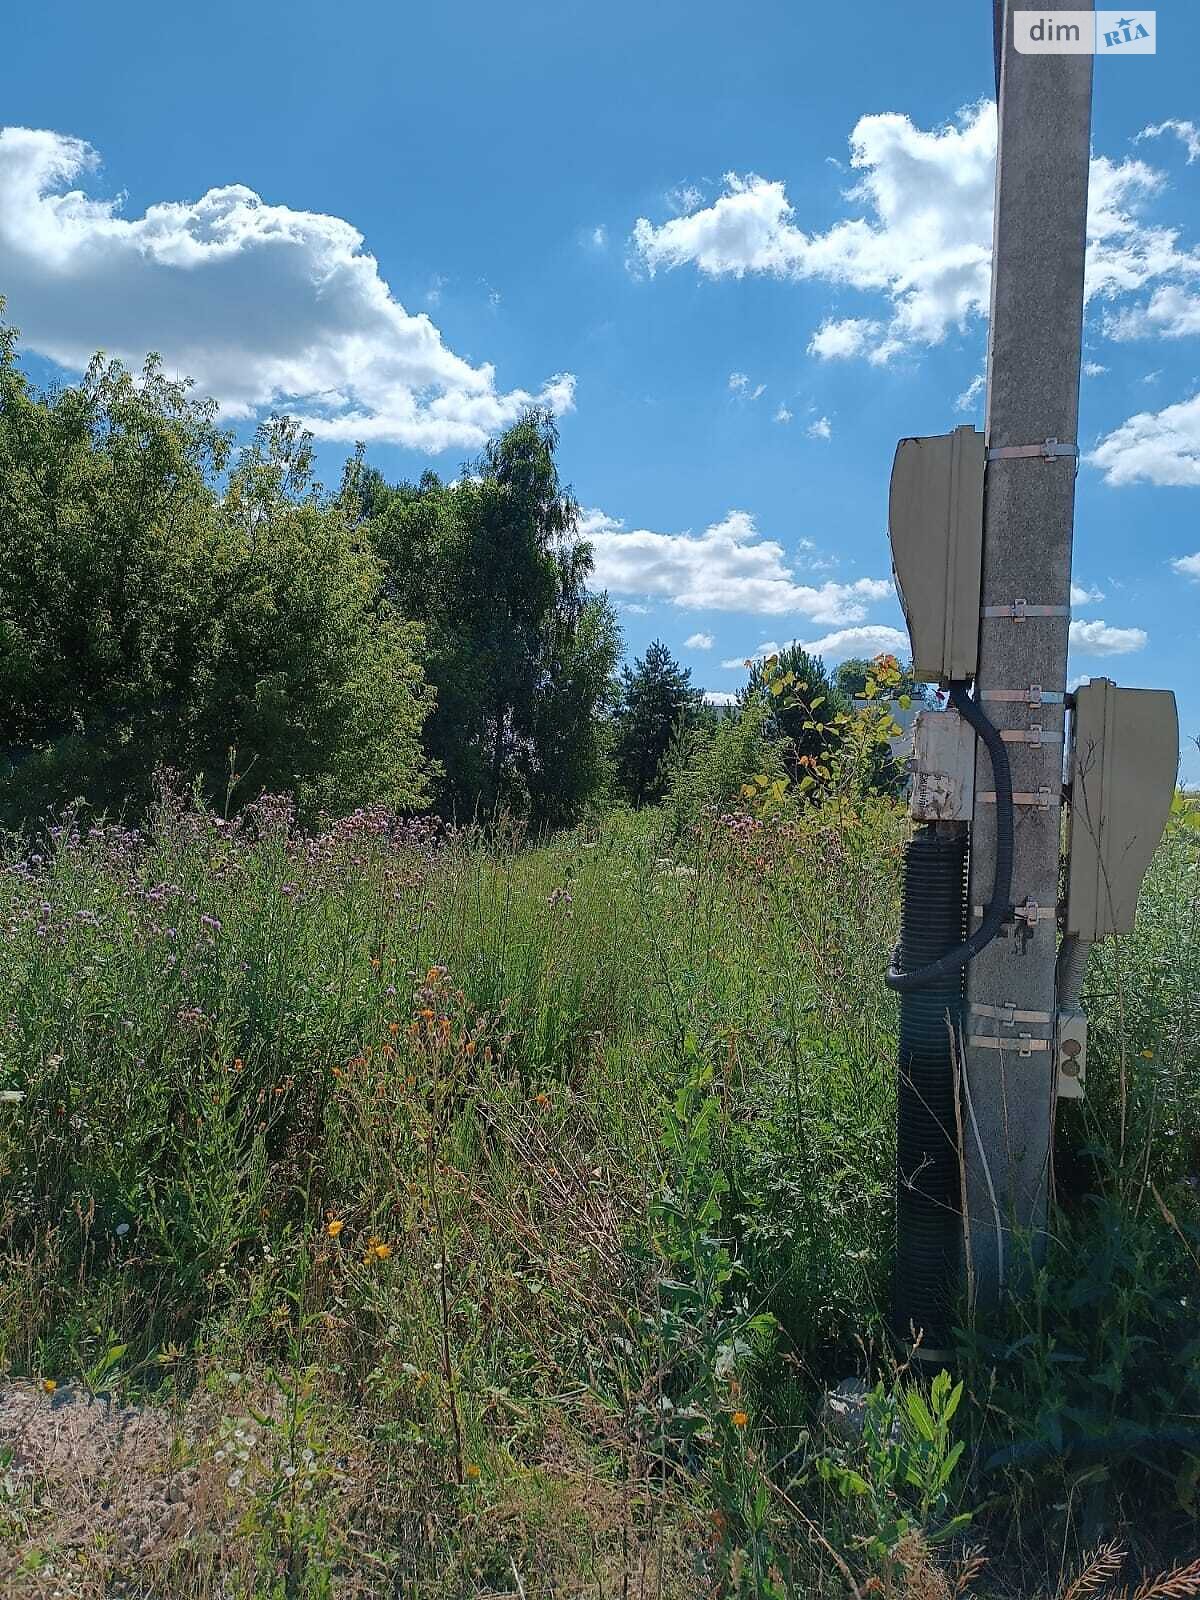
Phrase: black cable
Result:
[999,908]
[998,39]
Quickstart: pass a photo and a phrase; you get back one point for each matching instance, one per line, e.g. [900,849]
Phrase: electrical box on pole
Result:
[935,520]
[1123,764]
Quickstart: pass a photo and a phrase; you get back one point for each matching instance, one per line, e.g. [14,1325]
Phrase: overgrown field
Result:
[475,1218]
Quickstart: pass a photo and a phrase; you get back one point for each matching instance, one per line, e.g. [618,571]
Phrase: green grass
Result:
[606,1124]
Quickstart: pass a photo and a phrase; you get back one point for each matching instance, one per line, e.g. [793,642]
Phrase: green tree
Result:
[708,767]
[657,700]
[805,717]
[854,674]
[108,526]
[520,654]
[309,669]
[147,619]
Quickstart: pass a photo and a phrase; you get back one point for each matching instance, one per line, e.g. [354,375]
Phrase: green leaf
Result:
[918,1414]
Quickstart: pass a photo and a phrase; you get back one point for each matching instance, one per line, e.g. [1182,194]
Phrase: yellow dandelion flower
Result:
[541,1099]
[335,1227]
[1147,1055]
[49,1385]
[739,1419]
[472,1471]
[383,1251]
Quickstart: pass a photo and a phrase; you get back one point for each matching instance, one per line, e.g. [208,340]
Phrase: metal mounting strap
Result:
[1033,735]
[1009,1013]
[1020,610]
[1048,450]
[1035,695]
[1024,913]
[1041,798]
[1023,1044]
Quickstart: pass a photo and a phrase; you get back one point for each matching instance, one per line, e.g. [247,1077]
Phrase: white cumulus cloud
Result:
[1170,312]
[865,641]
[923,235]
[920,236]
[820,428]
[699,641]
[1101,639]
[1161,447]
[1083,596]
[728,567]
[1188,566]
[840,339]
[869,640]
[263,305]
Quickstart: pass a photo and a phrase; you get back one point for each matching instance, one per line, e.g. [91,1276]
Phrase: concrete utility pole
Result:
[1032,397]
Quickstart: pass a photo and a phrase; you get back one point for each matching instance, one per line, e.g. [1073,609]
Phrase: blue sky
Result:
[740,252]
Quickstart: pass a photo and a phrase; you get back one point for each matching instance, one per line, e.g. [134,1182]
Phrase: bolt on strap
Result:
[1030,912]
[1035,695]
[1023,1044]
[1041,798]
[1021,610]
[1048,450]
[1009,1013]
[1034,735]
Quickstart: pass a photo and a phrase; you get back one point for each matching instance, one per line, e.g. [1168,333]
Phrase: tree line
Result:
[167,600]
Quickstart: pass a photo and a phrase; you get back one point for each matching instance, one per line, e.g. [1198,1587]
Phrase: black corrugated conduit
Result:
[928,1190]
[928,970]
[902,977]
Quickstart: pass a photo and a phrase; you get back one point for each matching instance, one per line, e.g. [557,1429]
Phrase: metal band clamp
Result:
[1020,610]
[1008,1014]
[1048,450]
[1023,1044]
[1035,695]
[1041,798]
[1030,913]
[1033,735]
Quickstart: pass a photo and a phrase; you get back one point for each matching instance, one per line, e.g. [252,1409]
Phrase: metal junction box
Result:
[943,768]
[1124,760]
[935,520]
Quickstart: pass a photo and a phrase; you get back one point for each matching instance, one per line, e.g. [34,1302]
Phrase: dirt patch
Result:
[92,1485]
